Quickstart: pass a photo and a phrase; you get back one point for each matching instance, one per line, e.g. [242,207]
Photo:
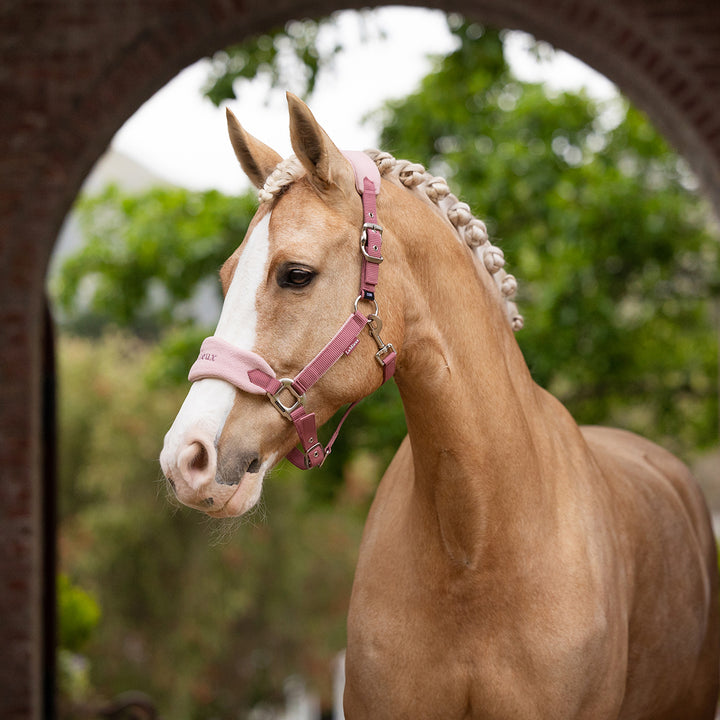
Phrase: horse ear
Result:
[256,158]
[324,163]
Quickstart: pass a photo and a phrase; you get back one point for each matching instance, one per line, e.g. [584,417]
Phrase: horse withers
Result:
[513,564]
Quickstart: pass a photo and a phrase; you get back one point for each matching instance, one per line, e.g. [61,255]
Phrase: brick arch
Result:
[72,72]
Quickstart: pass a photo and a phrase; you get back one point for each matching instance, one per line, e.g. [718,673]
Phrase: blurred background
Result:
[617,259]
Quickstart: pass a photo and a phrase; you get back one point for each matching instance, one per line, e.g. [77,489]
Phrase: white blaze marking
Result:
[238,319]
[209,401]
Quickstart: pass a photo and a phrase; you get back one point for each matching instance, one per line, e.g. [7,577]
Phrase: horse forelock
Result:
[470,230]
[285,174]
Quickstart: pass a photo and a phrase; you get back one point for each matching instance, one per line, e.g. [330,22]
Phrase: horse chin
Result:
[247,493]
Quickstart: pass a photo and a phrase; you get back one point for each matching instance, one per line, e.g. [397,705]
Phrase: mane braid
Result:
[469,229]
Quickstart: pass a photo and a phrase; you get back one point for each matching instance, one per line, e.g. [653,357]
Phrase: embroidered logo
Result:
[352,346]
[207,356]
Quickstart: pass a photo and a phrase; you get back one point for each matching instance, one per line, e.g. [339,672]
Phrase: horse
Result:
[513,564]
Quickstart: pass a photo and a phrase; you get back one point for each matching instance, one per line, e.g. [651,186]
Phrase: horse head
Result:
[288,289]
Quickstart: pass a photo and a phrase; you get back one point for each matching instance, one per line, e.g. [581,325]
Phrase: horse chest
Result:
[410,658]
[428,638]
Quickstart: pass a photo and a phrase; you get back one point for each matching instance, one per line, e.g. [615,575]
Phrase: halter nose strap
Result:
[248,371]
[219,359]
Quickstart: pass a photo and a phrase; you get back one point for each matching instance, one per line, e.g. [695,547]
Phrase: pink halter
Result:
[248,371]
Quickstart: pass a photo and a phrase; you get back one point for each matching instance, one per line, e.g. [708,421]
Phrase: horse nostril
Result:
[200,460]
[195,466]
[233,468]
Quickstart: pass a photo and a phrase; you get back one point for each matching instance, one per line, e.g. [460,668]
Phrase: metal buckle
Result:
[283,409]
[364,241]
[383,352]
[360,299]
[312,450]
[374,326]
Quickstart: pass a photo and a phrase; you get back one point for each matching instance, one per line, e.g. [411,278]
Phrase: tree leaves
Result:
[616,258]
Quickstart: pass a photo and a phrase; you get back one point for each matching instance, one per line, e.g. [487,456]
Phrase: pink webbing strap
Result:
[314,453]
[367,183]
[331,353]
[388,365]
[372,244]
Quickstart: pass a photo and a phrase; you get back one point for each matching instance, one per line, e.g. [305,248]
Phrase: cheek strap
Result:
[250,372]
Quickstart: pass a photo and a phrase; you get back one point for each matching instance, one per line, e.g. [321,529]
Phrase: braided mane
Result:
[413,176]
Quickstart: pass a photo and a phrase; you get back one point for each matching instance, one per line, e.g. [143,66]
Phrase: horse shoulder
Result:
[651,482]
[664,532]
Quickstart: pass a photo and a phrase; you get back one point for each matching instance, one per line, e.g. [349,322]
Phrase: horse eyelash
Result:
[283,274]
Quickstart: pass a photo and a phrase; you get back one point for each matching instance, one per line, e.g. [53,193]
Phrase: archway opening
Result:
[120,399]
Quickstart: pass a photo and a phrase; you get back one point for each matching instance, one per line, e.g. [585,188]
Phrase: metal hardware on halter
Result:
[383,352]
[315,456]
[360,298]
[374,327]
[364,239]
[285,410]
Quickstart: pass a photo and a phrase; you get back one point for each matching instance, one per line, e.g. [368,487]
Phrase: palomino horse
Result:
[513,565]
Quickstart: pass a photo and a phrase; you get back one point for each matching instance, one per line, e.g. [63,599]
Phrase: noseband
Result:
[248,371]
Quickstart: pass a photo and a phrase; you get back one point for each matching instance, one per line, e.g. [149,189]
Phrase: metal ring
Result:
[360,297]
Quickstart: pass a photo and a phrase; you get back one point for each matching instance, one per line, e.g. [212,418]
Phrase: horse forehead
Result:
[301,215]
[229,267]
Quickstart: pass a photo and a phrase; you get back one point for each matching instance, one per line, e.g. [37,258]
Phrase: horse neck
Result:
[475,418]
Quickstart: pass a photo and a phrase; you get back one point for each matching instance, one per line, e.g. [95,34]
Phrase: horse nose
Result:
[192,475]
[197,463]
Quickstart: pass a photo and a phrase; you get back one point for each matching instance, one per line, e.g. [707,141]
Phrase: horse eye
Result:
[294,277]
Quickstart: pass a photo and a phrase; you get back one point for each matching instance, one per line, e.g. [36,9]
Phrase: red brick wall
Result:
[72,71]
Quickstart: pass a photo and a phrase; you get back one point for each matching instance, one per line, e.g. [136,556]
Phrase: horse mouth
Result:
[239,502]
[248,477]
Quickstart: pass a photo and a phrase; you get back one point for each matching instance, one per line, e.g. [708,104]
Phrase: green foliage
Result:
[616,259]
[78,614]
[288,57]
[291,57]
[206,618]
[146,255]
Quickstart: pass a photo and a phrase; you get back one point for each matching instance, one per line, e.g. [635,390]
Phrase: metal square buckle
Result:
[283,409]
[315,456]
[364,241]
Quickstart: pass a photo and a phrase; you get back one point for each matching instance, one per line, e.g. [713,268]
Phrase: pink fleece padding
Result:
[220,359]
[364,167]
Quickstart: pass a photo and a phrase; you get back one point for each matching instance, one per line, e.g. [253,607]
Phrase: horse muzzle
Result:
[224,486]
